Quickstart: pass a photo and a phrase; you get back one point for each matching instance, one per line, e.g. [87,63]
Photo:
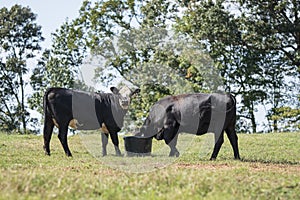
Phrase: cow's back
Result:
[191,108]
[195,112]
[85,111]
[65,105]
[58,100]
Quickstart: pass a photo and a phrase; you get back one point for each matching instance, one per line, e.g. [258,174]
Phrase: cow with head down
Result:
[196,114]
[85,111]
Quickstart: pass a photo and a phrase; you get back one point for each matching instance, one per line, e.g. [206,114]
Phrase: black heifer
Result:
[85,111]
[196,114]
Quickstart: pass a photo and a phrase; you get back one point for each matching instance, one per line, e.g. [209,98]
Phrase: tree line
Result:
[249,48]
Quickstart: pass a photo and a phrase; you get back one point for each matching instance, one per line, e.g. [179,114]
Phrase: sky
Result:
[50,13]
[50,16]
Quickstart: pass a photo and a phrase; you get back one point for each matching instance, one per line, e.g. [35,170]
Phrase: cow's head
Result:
[154,123]
[124,95]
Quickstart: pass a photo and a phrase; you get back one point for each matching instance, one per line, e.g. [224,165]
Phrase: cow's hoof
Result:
[174,154]
[69,154]
[46,150]
[119,154]
[212,159]
[104,152]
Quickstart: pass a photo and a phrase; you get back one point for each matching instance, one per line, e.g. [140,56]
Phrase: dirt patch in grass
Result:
[204,166]
[283,168]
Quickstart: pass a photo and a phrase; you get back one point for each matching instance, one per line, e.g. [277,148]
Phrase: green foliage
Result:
[218,32]
[140,45]
[249,46]
[58,67]
[272,29]
[274,25]
[287,117]
[19,41]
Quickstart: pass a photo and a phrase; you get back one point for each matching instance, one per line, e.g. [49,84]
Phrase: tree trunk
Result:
[275,126]
[22,106]
[251,111]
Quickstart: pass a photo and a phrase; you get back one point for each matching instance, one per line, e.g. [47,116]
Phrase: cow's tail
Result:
[48,123]
[47,111]
[233,99]
[233,106]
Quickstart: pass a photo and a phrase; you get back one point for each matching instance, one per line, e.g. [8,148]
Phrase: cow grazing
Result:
[196,114]
[85,111]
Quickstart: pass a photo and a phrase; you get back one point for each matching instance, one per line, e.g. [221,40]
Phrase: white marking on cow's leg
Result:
[73,124]
[55,122]
[103,128]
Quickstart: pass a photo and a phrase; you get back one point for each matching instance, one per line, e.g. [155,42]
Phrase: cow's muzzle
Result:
[159,135]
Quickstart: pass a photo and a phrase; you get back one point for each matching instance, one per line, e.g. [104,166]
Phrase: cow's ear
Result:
[136,91]
[114,90]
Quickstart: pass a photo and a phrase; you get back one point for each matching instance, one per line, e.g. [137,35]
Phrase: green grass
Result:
[270,169]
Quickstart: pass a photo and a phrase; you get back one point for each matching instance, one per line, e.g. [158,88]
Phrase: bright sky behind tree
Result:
[50,13]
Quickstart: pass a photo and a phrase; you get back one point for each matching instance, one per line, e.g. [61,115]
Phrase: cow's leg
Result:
[104,138]
[48,128]
[115,141]
[172,144]
[232,136]
[170,136]
[63,137]
[219,139]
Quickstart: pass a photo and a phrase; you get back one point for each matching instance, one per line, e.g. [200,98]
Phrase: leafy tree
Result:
[252,51]
[276,87]
[273,27]
[217,31]
[130,36]
[249,46]
[19,41]
[58,67]
[286,119]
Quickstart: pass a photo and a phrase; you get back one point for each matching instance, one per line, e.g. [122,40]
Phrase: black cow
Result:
[85,111]
[196,114]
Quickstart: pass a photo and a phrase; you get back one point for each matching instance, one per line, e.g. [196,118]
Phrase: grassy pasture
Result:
[270,169]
